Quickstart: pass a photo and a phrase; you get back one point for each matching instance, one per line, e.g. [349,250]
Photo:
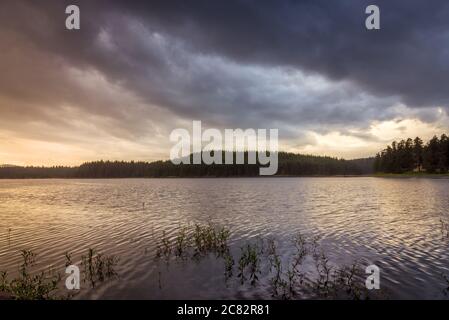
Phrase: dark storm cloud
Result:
[285,64]
[409,56]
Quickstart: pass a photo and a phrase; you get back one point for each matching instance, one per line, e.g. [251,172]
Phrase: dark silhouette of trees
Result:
[413,155]
[399,157]
[418,151]
[16,172]
[444,152]
[288,164]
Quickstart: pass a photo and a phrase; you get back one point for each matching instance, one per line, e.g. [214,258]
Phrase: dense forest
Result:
[399,157]
[289,164]
[413,155]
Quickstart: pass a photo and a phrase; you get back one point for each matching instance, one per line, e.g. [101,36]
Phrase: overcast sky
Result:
[136,70]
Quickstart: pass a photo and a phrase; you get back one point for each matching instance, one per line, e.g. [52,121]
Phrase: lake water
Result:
[393,223]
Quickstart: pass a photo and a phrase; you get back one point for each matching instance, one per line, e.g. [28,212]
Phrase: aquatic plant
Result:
[444,229]
[294,273]
[229,265]
[287,276]
[348,282]
[164,248]
[300,244]
[98,267]
[277,282]
[199,239]
[68,259]
[26,286]
[8,237]
[182,242]
[209,238]
[324,269]
[45,285]
[250,260]
[305,271]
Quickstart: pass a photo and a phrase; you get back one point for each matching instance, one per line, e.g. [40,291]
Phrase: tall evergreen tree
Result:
[418,147]
[431,155]
[444,152]
[408,155]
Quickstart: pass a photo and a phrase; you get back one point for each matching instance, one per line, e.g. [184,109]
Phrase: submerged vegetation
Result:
[26,286]
[98,267]
[444,229]
[299,269]
[46,285]
[204,239]
[288,274]
[249,263]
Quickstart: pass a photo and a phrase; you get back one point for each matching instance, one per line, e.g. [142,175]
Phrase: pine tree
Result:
[431,155]
[418,153]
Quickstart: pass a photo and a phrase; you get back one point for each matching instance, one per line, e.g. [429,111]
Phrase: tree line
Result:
[289,164]
[413,155]
[399,157]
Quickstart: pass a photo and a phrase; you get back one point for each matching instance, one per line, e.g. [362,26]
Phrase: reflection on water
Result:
[393,223]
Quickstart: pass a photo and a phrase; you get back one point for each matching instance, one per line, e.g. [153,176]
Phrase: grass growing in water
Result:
[98,267]
[209,238]
[26,286]
[303,271]
[45,285]
[229,265]
[249,259]
[276,269]
[444,229]
[181,242]
[287,273]
[199,240]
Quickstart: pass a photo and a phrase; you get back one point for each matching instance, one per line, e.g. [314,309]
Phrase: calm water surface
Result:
[393,223]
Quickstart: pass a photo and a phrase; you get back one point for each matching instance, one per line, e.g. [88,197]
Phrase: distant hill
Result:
[289,164]
[7,166]
[366,165]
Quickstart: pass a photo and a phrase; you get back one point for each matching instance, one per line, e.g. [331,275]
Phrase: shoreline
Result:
[377,175]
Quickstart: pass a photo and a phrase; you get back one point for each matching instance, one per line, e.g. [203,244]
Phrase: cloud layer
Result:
[136,70]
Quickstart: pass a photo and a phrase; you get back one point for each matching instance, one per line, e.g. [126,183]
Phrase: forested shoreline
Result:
[405,156]
[290,164]
[413,155]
